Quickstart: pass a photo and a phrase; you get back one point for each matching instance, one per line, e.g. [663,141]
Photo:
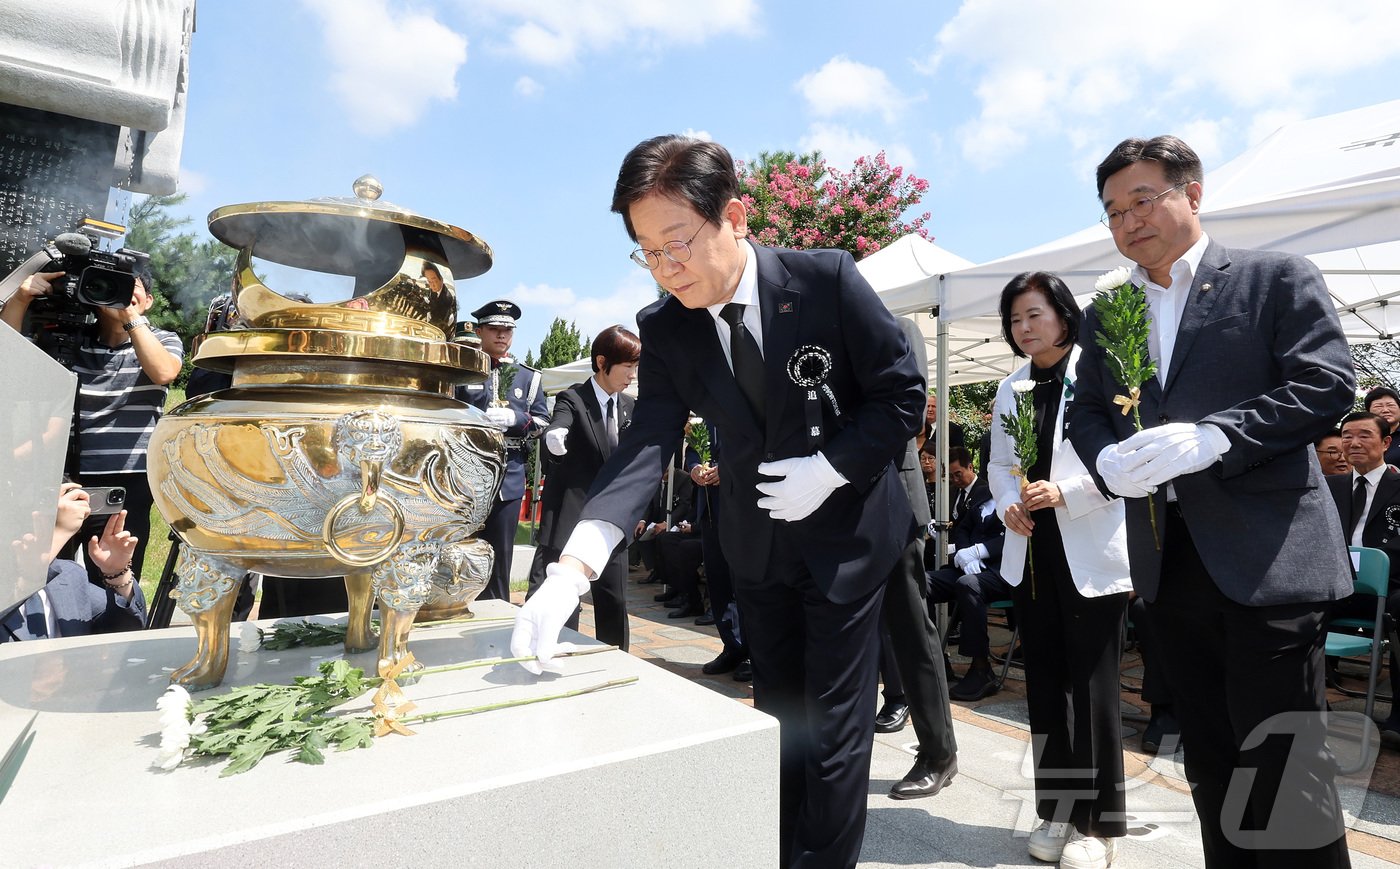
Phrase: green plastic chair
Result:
[1372,577]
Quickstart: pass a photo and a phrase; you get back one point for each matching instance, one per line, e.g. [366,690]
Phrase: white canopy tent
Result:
[1328,188]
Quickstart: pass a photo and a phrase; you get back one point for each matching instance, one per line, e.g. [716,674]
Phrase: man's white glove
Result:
[1110,464]
[501,416]
[554,441]
[970,557]
[540,620]
[1156,456]
[804,484]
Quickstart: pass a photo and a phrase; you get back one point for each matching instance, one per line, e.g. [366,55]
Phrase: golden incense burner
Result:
[339,448]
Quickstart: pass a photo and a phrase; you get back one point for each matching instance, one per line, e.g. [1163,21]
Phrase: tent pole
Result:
[941,368]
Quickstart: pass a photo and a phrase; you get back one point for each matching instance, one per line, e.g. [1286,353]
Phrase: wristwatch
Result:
[136,323]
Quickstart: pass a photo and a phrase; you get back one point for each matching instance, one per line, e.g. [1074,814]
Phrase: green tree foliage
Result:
[563,344]
[188,271]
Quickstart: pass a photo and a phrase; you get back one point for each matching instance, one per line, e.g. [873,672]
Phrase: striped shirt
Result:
[118,405]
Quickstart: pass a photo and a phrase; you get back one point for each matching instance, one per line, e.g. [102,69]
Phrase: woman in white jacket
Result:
[1066,557]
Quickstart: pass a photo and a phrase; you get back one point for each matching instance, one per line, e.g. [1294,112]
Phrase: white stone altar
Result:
[659,773]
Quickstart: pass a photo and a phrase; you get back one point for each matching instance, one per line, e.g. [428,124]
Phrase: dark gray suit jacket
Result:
[1259,353]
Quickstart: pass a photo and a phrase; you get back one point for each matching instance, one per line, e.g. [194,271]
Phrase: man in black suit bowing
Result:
[588,420]
[1368,504]
[814,390]
[1246,554]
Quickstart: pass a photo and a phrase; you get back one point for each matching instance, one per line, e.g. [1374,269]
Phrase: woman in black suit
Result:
[582,434]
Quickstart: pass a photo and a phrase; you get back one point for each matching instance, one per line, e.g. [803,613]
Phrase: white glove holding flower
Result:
[501,416]
[1156,456]
[804,484]
[1110,465]
[540,620]
[554,441]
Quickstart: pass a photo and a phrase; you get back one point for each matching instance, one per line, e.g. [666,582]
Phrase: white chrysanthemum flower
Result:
[695,420]
[1022,386]
[1110,281]
[175,726]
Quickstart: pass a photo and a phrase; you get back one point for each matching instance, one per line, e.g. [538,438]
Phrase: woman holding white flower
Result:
[1066,557]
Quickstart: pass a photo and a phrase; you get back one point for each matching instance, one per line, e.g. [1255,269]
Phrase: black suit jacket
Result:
[1381,527]
[806,298]
[576,410]
[975,527]
[1259,353]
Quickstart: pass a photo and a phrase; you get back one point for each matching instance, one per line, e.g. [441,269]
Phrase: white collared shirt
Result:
[1168,304]
[1373,479]
[603,399]
[745,294]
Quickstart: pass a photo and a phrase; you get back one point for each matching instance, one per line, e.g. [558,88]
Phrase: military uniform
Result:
[525,398]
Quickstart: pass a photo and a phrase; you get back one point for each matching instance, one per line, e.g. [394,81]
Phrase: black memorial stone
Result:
[54,171]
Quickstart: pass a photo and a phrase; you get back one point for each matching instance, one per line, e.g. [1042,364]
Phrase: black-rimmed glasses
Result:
[675,251]
[1140,209]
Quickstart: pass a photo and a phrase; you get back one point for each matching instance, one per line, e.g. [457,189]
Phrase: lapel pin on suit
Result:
[785,307]
[1205,288]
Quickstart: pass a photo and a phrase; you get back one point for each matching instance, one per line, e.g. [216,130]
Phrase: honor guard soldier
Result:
[519,408]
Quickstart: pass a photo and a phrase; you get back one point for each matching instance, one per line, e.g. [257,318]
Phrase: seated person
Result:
[1365,443]
[971,578]
[1330,454]
[69,605]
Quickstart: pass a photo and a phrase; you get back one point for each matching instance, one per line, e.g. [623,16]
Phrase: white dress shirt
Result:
[1167,304]
[603,399]
[1373,479]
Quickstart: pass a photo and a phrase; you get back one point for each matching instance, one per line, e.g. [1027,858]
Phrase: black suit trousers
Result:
[815,664]
[1264,798]
[918,657]
[1073,647]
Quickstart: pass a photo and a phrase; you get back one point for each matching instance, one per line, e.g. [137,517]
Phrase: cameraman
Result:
[124,366]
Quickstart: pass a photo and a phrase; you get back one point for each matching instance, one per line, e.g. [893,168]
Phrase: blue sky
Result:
[509,117]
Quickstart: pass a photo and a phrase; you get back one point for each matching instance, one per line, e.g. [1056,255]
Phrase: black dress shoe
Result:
[706,619]
[670,596]
[688,610]
[978,683]
[892,718]
[1162,730]
[648,579]
[924,780]
[728,659]
[744,672]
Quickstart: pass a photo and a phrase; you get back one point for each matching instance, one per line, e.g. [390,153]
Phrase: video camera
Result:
[92,279]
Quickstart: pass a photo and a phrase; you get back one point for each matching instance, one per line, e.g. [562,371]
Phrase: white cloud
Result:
[552,33]
[702,135]
[840,146]
[842,86]
[528,87]
[591,314]
[1038,72]
[387,63]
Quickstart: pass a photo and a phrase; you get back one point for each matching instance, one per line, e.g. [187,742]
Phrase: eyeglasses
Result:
[1330,452]
[675,251]
[1140,209]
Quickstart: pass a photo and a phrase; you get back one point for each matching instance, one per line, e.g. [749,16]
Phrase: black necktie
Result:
[959,504]
[1358,506]
[748,361]
[610,423]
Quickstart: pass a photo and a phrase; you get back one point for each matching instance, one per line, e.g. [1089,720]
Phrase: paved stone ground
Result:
[981,821]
